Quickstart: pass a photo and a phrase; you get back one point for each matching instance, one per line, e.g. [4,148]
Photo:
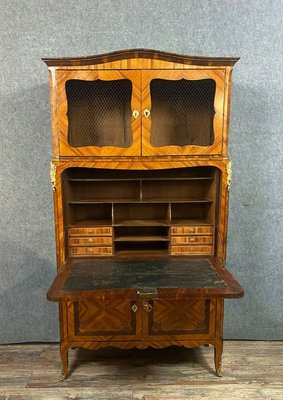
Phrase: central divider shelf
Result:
[138,223]
[141,239]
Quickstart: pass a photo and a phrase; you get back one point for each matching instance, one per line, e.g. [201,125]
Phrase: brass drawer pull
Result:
[192,239]
[90,240]
[136,114]
[146,113]
[90,250]
[90,231]
[135,308]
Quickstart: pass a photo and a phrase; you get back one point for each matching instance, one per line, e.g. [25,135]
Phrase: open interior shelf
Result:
[140,206]
[99,174]
[138,246]
[99,214]
[141,234]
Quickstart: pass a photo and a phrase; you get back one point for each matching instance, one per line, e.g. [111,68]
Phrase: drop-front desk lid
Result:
[143,278]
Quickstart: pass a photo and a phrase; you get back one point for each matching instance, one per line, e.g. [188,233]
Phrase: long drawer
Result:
[90,241]
[91,231]
[192,230]
[187,250]
[90,251]
[193,239]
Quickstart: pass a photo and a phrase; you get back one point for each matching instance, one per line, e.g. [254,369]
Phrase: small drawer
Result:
[90,241]
[193,239]
[91,231]
[193,230]
[90,251]
[181,250]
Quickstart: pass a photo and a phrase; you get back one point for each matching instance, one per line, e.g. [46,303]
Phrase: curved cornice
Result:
[140,53]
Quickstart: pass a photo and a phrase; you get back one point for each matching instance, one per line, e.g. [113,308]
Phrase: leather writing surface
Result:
[123,274]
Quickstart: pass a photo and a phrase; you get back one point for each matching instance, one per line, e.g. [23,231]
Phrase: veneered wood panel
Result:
[192,230]
[90,241]
[115,319]
[90,251]
[187,250]
[216,148]
[65,149]
[187,318]
[91,231]
[193,239]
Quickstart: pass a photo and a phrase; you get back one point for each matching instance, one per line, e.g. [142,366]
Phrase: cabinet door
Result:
[181,319]
[182,112]
[98,113]
[109,320]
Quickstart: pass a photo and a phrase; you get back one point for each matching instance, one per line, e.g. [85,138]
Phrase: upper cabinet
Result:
[97,113]
[140,103]
[182,112]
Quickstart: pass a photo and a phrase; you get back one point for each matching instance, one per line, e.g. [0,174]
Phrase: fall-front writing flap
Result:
[166,278]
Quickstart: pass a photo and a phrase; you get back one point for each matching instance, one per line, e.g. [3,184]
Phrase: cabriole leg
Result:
[64,358]
[218,349]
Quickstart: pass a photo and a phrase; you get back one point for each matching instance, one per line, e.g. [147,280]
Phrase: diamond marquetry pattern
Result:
[179,317]
[108,317]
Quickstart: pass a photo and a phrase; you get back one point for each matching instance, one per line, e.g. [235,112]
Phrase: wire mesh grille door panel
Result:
[182,112]
[99,113]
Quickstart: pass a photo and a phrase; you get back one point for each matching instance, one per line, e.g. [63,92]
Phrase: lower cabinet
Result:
[181,318]
[126,320]
[106,320]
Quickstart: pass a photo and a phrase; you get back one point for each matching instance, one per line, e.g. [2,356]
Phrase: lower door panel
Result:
[181,319]
[106,320]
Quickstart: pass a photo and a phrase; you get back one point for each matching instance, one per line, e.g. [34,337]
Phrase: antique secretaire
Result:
[141,176]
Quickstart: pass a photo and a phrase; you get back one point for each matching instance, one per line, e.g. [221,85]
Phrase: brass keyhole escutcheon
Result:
[147,306]
[136,114]
[146,113]
[135,308]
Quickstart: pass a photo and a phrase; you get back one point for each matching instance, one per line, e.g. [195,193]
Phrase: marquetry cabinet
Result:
[141,174]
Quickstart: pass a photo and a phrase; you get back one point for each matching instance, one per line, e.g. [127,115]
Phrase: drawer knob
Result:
[90,250]
[192,239]
[192,230]
[90,240]
[90,231]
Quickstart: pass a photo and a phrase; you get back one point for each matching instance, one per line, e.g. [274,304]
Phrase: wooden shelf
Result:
[141,201]
[90,223]
[103,201]
[193,178]
[141,239]
[140,222]
[185,222]
[141,253]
